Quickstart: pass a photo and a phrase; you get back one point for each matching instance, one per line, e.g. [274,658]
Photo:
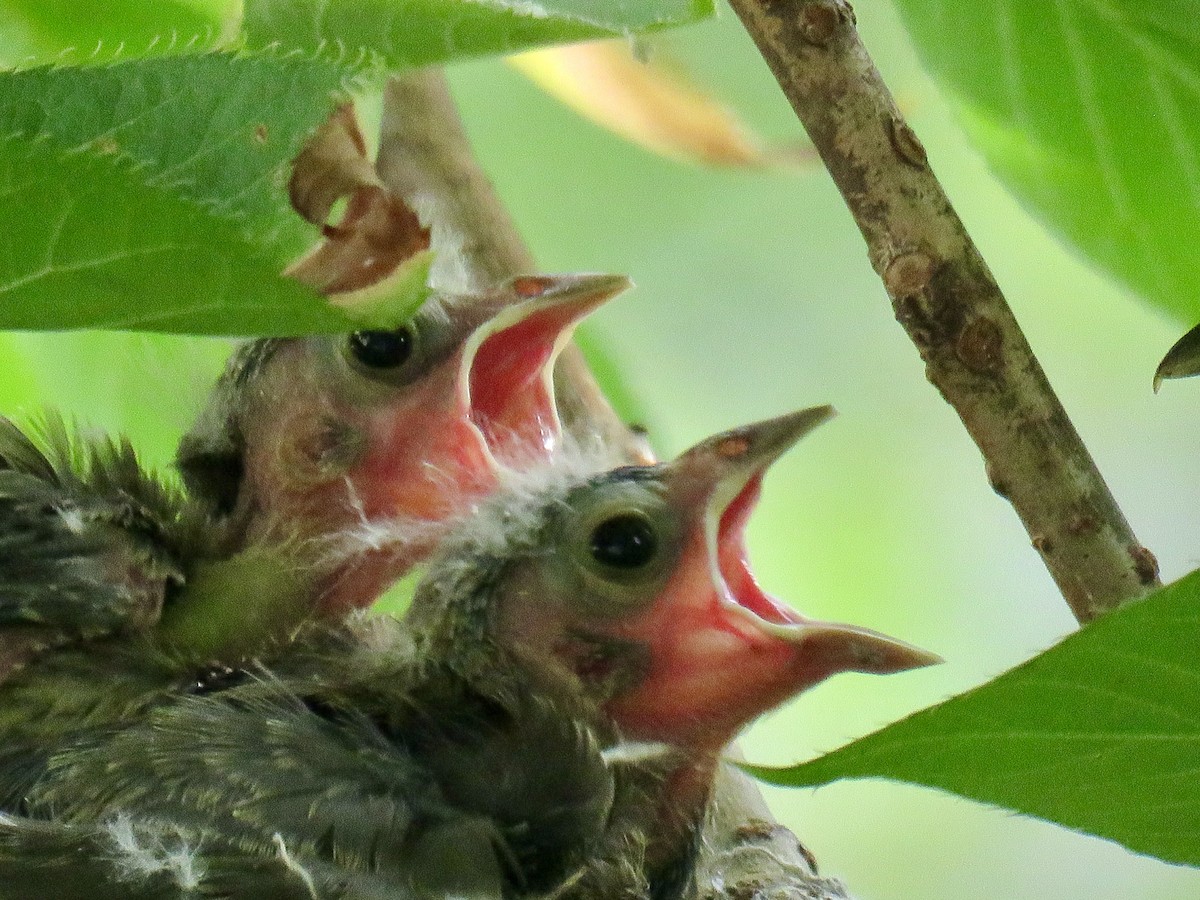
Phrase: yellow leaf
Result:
[648,105]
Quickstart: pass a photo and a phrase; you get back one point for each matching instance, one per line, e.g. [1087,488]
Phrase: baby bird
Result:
[547,721]
[335,443]
[312,455]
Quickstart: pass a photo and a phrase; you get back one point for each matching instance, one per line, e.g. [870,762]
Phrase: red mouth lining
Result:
[510,403]
[733,560]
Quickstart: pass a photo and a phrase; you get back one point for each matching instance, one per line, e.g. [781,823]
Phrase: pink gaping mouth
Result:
[509,363]
[510,390]
[721,650]
[737,585]
[827,647]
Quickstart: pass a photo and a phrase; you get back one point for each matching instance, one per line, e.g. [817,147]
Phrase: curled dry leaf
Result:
[332,165]
[378,233]
[1182,360]
[650,105]
[379,249]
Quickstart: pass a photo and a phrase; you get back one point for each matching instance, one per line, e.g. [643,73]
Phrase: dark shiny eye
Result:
[382,349]
[625,541]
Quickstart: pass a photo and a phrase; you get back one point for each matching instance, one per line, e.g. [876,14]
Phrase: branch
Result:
[425,157]
[946,299]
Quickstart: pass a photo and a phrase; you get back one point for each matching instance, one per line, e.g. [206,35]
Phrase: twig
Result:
[424,156]
[948,302]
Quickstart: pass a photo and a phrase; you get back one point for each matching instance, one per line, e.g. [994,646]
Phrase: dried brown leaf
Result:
[377,234]
[332,165]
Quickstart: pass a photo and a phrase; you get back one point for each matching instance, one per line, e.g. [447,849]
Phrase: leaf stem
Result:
[947,300]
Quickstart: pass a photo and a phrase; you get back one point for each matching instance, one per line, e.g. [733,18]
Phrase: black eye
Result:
[382,349]
[625,541]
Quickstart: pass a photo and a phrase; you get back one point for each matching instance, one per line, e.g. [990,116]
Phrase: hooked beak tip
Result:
[574,287]
[757,446]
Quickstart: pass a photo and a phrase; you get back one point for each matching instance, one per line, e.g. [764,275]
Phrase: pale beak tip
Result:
[920,659]
[897,656]
[601,286]
[568,286]
[850,648]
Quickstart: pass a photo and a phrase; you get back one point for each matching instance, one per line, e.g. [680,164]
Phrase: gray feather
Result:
[144,859]
[387,769]
[90,543]
[210,454]
[62,566]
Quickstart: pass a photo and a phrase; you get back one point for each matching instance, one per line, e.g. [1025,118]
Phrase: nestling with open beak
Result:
[548,718]
[323,467]
[357,450]
[637,583]
[340,444]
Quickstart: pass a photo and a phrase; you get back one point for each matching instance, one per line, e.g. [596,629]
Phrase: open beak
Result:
[439,447]
[722,650]
[746,454]
[508,363]
[442,444]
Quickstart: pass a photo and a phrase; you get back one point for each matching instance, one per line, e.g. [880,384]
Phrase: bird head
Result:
[309,439]
[637,582]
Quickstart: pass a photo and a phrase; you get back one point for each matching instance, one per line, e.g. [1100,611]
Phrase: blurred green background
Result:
[755,297]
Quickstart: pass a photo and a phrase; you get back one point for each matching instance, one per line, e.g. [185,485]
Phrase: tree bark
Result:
[946,299]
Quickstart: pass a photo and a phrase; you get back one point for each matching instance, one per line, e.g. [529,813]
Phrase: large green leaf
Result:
[1090,111]
[77,31]
[420,32]
[150,195]
[402,32]
[218,130]
[1100,733]
[86,242]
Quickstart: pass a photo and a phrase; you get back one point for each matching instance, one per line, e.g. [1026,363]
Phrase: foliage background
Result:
[755,297]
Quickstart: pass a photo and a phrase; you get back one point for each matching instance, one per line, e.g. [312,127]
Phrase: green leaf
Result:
[1181,361]
[86,243]
[1100,733]
[79,31]
[1090,111]
[218,130]
[421,32]
[151,194]
[395,299]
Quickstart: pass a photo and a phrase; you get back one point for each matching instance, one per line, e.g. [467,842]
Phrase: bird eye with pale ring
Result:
[618,540]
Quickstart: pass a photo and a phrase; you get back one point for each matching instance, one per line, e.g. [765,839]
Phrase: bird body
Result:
[543,723]
[90,544]
[358,755]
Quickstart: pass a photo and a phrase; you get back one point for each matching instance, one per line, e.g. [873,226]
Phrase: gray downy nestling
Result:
[546,722]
